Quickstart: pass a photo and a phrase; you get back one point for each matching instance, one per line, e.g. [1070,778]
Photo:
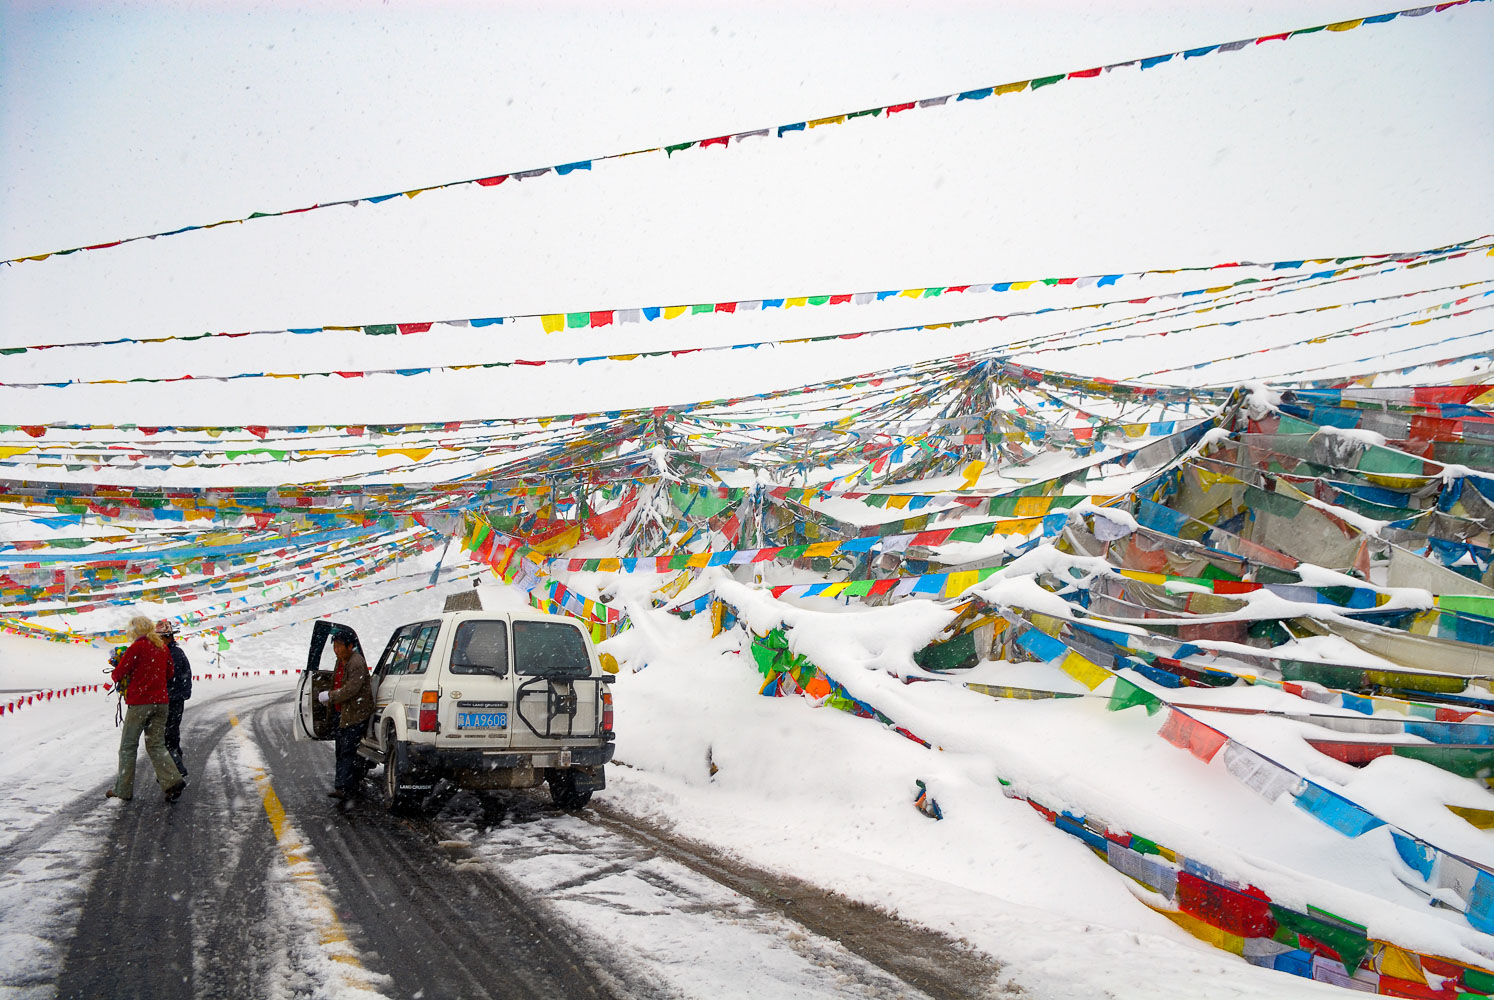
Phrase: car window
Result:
[550,649]
[480,648]
[398,656]
[425,644]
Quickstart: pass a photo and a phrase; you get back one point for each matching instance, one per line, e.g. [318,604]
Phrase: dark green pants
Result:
[151,721]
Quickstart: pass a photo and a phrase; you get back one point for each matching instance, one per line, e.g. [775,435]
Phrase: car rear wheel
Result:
[563,790]
[398,798]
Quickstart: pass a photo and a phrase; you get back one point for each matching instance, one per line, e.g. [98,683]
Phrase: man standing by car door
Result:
[352,698]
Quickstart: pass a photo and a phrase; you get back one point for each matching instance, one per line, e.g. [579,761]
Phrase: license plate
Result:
[482,720]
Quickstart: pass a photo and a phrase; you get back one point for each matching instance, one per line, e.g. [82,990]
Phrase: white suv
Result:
[482,699]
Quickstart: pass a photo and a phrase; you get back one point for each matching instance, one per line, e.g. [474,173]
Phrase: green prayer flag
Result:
[1351,946]
[971,532]
[1127,695]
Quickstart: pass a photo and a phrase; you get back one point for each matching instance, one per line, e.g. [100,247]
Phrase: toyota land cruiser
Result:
[481,699]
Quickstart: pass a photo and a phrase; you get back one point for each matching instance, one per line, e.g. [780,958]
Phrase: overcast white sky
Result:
[124,119]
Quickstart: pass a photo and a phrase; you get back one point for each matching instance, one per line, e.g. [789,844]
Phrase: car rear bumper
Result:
[435,758]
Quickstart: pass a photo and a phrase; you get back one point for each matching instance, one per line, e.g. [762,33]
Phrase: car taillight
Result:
[606,711]
[428,700]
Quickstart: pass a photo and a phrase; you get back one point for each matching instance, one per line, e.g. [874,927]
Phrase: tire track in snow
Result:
[48,868]
[138,933]
[689,932]
[436,928]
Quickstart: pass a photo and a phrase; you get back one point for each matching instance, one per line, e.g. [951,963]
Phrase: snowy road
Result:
[256,884]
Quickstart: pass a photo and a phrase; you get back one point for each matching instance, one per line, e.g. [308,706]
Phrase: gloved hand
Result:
[324,697]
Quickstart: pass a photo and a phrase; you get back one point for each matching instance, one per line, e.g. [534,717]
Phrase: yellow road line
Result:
[330,932]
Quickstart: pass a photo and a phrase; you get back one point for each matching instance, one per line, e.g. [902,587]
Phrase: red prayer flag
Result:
[893,109]
[1085,73]
[1272,38]
[720,140]
[493,181]
[601,317]
[837,300]
[413,327]
[1187,733]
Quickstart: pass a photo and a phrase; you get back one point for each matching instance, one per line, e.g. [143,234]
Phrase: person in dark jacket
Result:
[142,673]
[351,698]
[178,690]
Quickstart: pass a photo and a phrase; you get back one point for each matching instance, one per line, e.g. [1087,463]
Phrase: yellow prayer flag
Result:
[12,452]
[1048,624]
[821,549]
[1422,623]
[911,293]
[958,583]
[1346,25]
[553,322]
[1010,88]
[1136,574]
[832,120]
[565,540]
[609,565]
[1032,506]
[1481,818]
[1213,479]
[413,454]
[698,560]
[1401,965]
[1208,933]
[1135,430]
[802,300]
[971,473]
[1091,675]
[1018,286]
[835,588]
[899,501]
[670,312]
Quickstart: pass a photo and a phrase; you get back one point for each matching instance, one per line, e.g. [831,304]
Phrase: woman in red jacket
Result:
[142,673]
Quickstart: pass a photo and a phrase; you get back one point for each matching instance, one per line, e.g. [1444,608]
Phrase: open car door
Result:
[317,721]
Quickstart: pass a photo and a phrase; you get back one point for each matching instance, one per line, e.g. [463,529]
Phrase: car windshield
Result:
[550,649]
[480,648]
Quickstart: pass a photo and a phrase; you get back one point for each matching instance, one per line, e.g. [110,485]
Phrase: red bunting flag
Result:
[1187,733]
